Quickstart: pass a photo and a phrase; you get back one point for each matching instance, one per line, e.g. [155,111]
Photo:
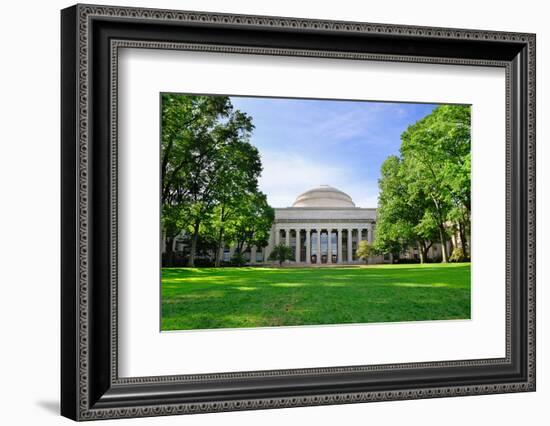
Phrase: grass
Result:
[205,298]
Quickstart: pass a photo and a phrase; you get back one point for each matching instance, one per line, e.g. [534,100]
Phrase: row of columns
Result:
[329,230]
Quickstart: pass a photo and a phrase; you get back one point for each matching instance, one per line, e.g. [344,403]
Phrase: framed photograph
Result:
[263,212]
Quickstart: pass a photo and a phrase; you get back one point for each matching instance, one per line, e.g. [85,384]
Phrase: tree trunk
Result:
[191,262]
[421,252]
[463,242]
[241,246]
[443,244]
[219,246]
[169,251]
[426,248]
[217,259]
[441,226]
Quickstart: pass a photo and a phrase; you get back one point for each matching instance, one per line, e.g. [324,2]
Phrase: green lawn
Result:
[201,298]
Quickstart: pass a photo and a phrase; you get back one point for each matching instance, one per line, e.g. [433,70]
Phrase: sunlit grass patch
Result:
[203,298]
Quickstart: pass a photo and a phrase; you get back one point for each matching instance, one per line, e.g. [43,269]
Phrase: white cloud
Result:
[285,176]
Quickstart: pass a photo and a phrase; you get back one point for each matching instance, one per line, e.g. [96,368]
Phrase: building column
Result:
[297,245]
[308,246]
[267,250]
[350,254]
[287,237]
[318,246]
[277,236]
[360,236]
[231,252]
[253,255]
[339,248]
[329,246]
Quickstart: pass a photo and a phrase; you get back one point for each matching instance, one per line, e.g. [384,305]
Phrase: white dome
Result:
[324,196]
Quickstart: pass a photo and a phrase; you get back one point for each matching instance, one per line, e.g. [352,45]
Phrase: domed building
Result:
[324,196]
[323,226]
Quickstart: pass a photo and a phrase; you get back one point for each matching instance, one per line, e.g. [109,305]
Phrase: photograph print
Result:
[280,212]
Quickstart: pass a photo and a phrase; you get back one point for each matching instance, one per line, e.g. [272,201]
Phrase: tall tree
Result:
[205,153]
[392,233]
[401,213]
[239,185]
[436,151]
[173,219]
[184,119]
[251,222]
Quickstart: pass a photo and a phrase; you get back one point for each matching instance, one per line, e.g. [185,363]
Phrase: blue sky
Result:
[305,143]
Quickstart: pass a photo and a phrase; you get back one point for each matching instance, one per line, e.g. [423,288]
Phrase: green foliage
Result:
[250,222]
[401,218]
[457,255]
[268,297]
[364,250]
[238,259]
[281,253]
[173,219]
[425,192]
[394,227]
[210,173]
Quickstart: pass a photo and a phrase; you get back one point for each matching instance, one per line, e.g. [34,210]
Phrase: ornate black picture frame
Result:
[91,36]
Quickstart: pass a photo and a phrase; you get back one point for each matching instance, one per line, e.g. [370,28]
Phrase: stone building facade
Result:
[323,226]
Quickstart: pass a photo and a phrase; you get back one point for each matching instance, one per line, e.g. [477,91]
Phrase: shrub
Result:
[281,253]
[364,251]
[457,255]
[203,262]
[406,261]
[238,259]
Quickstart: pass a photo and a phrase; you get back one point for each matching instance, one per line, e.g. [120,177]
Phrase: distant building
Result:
[323,226]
